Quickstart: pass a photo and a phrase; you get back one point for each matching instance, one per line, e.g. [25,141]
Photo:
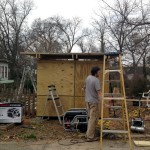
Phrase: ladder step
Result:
[51,86]
[59,106]
[111,71]
[114,98]
[113,119]
[115,107]
[115,131]
[112,80]
[112,94]
[56,98]
[52,89]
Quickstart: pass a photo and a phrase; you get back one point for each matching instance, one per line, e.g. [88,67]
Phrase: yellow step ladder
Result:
[112,65]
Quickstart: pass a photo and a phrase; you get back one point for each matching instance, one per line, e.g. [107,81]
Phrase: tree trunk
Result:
[144,68]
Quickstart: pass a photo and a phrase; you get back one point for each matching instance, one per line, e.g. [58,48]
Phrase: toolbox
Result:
[75,119]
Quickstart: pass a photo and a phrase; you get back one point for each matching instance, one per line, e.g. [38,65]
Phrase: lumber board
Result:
[142,143]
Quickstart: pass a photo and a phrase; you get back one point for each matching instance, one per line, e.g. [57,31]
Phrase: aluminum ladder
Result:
[53,95]
[27,72]
[120,97]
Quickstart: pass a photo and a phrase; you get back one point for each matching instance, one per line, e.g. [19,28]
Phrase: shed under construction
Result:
[68,73]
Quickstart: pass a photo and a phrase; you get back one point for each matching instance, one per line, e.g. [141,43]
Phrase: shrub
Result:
[137,85]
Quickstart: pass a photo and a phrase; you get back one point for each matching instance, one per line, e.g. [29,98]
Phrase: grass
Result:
[28,136]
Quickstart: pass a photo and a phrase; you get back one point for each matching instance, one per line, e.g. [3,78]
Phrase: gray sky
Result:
[66,8]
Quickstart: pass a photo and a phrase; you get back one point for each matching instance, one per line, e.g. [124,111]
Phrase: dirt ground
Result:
[48,145]
[38,134]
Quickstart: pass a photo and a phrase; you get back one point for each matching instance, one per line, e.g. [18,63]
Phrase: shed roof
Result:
[74,56]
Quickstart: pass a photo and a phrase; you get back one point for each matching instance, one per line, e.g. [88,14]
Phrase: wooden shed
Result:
[68,73]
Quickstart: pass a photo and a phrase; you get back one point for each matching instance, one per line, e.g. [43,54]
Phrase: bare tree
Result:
[12,18]
[71,32]
[138,48]
[100,29]
[55,34]
[127,29]
[115,22]
[88,44]
[44,36]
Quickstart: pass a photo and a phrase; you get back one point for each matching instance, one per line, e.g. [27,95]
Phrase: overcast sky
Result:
[66,8]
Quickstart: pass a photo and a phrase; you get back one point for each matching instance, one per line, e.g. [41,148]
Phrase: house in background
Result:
[3,70]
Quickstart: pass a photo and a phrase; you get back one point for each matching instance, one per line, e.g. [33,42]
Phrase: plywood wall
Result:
[82,70]
[68,77]
[59,73]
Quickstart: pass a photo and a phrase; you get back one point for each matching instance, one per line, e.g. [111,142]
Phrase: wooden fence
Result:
[27,99]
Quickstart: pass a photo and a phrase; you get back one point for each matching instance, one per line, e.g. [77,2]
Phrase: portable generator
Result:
[137,124]
[75,119]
